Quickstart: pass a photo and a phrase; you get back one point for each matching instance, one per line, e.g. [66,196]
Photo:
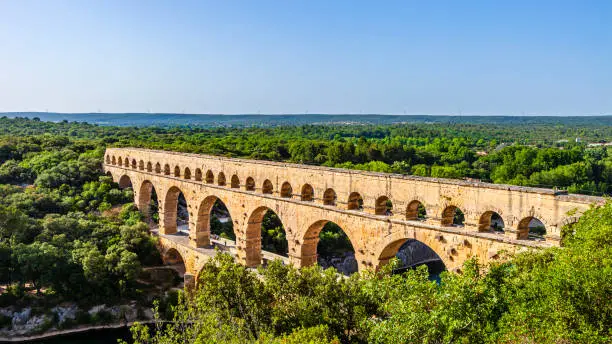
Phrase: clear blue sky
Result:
[285,56]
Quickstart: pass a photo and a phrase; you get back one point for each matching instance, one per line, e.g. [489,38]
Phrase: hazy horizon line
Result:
[296,114]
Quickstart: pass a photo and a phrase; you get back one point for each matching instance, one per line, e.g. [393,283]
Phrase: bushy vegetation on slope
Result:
[557,295]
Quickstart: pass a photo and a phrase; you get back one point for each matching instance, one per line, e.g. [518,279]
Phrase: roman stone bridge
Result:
[378,211]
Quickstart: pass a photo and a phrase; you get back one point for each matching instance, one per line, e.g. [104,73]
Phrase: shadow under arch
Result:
[415,210]
[383,206]
[328,244]
[491,221]
[452,216]
[172,206]
[531,228]
[210,210]
[147,201]
[173,259]
[286,190]
[125,182]
[235,182]
[412,253]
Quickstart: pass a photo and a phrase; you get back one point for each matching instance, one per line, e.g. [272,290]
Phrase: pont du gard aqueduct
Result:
[305,198]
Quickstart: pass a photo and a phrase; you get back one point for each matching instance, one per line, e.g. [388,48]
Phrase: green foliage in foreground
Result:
[558,295]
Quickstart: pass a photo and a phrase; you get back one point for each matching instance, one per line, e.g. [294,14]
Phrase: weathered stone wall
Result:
[375,235]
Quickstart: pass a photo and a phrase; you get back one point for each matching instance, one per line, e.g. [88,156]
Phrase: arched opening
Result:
[141,165]
[329,197]
[173,259]
[452,216]
[198,175]
[127,162]
[107,159]
[264,231]
[120,161]
[307,194]
[157,168]
[355,202]
[383,206]
[221,179]
[210,177]
[490,221]
[187,173]
[286,190]
[125,182]
[411,254]
[134,163]
[167,169]
[176,214]
[416,211]
[531,228]
[267,187]
[250,184]
[214,225]
[273,236]
[148,203]
[235,182]
[149,167]
[328,245]
[177,171]
[113,160]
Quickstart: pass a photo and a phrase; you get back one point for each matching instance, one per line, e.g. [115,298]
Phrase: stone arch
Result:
[113,160]
[120,161]
[149,167]
[308,250]
[235,182]
[177,171]
[126,162]
[172,257]
[531,227]
[171,209]
[210,177]
[329,197]
[391,249]
[355,201]
[141,165]
[250,184]
[134,163]
[286,190]
[107,159]
[267,187]
[452,216]
[202,233]
[491,220]
[187,173]
[307,194]
[221,179]
[125,181]
[416,211]
[157,168]
[252,253]
[383,206]
[198,175]
[167,169]
[145,196]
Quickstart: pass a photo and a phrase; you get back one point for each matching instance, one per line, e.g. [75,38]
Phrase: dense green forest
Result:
[538,155]
[67,232]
